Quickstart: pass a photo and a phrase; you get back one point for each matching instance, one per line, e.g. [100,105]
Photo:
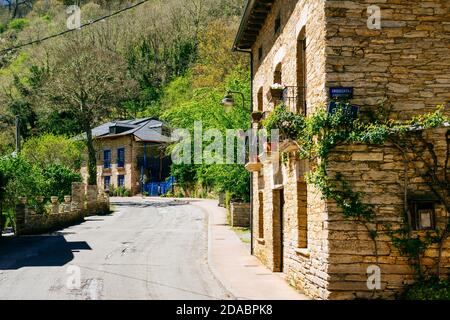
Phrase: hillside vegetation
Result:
[166,58]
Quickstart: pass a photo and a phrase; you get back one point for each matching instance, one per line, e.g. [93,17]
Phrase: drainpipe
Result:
[251,121]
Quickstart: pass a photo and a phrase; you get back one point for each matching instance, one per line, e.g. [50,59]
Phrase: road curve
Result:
[148,249]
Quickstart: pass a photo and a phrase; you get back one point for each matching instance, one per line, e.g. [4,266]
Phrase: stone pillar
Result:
[240,215]
[78,193]
[91,194]
[21,215]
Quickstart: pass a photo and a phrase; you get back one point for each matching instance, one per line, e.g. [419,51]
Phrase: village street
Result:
[152,248]
[147,249]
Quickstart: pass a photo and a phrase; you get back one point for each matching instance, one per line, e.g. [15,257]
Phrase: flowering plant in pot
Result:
[276,91]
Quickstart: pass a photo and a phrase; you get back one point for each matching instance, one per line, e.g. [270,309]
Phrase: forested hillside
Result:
[166,58]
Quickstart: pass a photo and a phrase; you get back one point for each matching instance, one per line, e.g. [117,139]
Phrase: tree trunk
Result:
[92,157]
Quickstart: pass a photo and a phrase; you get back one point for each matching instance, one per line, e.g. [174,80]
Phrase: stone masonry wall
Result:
[305,266]
[378,172]
[61,215]
[407,61]
[130,170]
[240,214]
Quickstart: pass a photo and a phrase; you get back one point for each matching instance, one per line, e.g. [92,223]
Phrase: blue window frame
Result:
[107,159]
[121,157]
[121,181]
[107,182]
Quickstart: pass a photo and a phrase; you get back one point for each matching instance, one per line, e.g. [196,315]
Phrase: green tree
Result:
[50,149]
[90,83]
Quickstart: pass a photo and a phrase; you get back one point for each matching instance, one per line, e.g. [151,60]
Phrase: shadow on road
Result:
[37,251]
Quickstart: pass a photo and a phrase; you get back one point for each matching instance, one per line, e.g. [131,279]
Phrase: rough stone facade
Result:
[131,170]
[85,201]
[240,214]
[406,64]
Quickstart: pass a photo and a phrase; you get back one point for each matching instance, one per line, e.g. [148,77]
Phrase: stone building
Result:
[309,47]
[131,154]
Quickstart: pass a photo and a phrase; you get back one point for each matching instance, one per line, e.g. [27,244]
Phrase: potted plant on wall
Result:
[257,116]
[276,91]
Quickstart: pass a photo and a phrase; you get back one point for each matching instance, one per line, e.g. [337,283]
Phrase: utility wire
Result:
[72,30]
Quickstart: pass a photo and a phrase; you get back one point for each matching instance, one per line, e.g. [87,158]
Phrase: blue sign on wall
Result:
[341,93]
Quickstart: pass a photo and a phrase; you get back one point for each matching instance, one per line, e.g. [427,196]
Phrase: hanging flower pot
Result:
[276,91]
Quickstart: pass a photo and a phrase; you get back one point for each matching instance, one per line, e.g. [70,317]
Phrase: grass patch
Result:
[243,234]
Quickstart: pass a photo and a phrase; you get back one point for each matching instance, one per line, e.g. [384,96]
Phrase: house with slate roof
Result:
[132,154]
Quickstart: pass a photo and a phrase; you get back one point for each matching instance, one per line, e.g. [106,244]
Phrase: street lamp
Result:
[228,101]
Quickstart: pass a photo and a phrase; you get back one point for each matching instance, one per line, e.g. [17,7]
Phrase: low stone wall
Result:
[85,201]
[240,214]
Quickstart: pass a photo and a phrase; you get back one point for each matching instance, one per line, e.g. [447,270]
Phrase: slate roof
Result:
[145,130]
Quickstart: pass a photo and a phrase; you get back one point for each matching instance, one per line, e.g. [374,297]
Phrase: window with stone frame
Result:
[278,75]
[106,182]
[261,215]
[121,157]
[121,181]
[301,73]
[260,53]
[302,214]
[107,159]
[260,105]
[423,214]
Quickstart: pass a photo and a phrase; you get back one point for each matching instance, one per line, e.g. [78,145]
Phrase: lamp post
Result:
[228,101]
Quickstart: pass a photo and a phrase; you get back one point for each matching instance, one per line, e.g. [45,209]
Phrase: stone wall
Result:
[240,214]
[406,61]
[304,265]
[130,170]
[379,172]
[61,215]
[296,17]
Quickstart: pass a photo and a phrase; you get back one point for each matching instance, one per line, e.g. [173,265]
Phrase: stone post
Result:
[91,194]
[78,192]
[21,215]
[240,214]
[55,205]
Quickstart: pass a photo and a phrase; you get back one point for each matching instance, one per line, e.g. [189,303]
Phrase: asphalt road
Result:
[147,249]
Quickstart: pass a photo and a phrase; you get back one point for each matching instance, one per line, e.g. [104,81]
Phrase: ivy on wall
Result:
[319,133]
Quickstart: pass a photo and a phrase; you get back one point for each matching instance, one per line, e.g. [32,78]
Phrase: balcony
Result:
[295,99]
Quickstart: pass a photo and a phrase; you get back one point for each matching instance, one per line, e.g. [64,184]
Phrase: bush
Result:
[430,289]
[18,24]
[26,180]
[58,181]
[23,179]
[119,192]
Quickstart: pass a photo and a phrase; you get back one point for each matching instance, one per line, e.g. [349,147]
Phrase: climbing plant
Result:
[319,133]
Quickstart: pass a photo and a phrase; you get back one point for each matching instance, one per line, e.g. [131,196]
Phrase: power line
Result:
[72,30]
